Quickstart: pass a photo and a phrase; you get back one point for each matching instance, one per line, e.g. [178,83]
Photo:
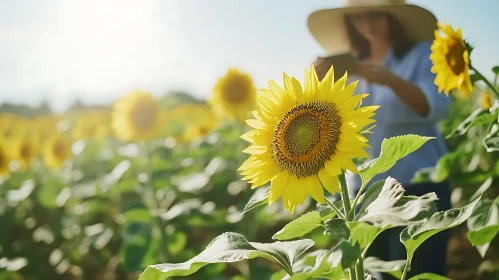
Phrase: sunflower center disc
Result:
[25,151]
[144,116]
[235,92]
[306,138]
[58,149]
[455,58]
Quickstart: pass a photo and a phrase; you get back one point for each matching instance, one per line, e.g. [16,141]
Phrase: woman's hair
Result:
[399,40]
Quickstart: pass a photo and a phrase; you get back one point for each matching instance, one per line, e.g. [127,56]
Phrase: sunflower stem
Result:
[406,269]
[154,204]
[348,214]
[359,268]
[482,77]
[357,197]
[345,197]
[335,209]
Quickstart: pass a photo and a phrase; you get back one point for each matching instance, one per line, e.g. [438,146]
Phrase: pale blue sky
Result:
[98,50]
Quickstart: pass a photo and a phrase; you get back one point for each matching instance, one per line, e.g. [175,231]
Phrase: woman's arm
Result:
[409,93]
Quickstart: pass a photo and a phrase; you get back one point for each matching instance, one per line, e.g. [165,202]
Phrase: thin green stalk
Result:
[335,209]
[345,196]
[155,204]
[359,268]
[486,81]
[353,276]
[357,197]
[406,269]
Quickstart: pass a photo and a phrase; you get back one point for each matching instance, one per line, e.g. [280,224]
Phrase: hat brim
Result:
[328,26]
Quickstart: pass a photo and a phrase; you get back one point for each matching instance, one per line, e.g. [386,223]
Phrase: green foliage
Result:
[392,150]
[414,235]
[232,247]
[395,268]
[390,208]
[483,224]
[299,226]
[429,276]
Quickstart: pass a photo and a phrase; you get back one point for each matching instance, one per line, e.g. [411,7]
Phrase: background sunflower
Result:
[450,57]
[233,95]
[136,116]
[25,149]
[56,150]
[5,158]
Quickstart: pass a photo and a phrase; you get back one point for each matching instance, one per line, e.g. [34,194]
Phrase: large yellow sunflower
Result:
[25,149]
[234,95]
[136,116]
[450,59]
[5,158]
[56,150]
[304,138]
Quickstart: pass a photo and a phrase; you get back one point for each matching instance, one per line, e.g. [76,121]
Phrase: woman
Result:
[392,42]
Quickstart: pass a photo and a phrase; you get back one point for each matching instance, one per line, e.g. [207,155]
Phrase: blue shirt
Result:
[395,118]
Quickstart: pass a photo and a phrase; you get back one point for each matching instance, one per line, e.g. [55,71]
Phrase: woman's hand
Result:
[321,67]
[376,73]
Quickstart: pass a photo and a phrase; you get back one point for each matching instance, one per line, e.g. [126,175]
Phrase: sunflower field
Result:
[249,184]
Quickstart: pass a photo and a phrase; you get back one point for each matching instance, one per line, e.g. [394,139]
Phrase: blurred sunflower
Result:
[92,125]
[7,121]
[198,129]
[5,158]
[21,127]
[463,94]
[56,150]
[450,57]
[136,116]
[25,151]
[234,95]
[487,99]
[303,139]
[44,127]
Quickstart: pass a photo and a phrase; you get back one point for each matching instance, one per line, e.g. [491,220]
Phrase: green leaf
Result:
[337,228]
[259,198]
[414,235]
[327,212]
[438,173]
[391,208]
[137,215]
[177,242]
[346,253]
[363,233]
[483,188]
[300,226]
[491,140]
[474,78]
[137,238]
[395,268]
[231,247]
[483,224]
[329,264]
[495,69]
[371,194]
[429,276]
[478,117]
[392,149]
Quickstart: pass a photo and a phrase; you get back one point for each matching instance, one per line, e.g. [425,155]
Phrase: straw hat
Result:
[328,27]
